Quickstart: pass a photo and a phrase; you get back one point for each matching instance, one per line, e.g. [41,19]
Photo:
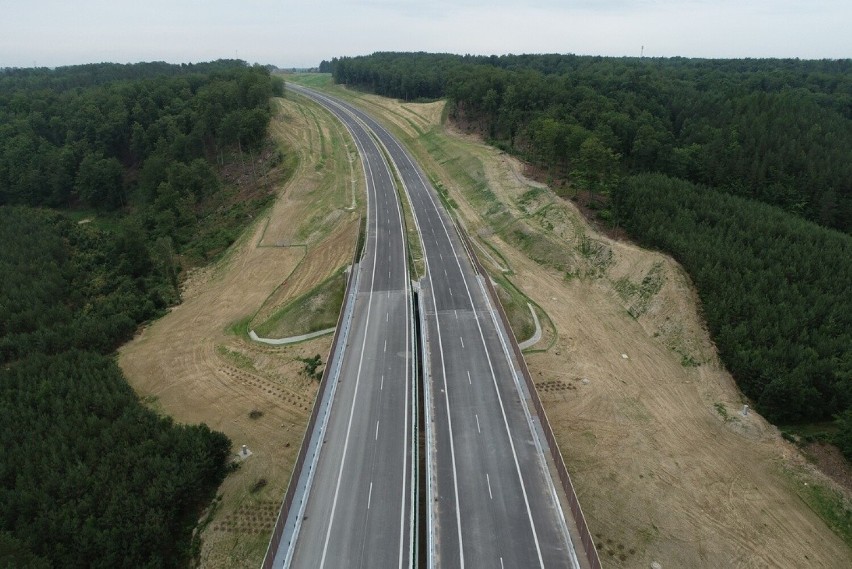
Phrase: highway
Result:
[359,512]
[492,501]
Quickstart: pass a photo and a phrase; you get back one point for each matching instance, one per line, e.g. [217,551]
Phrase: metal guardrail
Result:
[278,530]
[564,478]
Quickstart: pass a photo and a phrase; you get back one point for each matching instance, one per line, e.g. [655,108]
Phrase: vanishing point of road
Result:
[492,501]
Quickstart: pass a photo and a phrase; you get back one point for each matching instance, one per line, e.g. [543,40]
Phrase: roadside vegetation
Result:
[113,180]
[661,147]
[774,290]
[316,310]
[773,130]
[198,363]
[315,213]
[89,474]
[515,305]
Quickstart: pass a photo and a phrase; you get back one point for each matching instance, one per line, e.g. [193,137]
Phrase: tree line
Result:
[89,477]
[778,131]
[144,138]
[741,169]
[774,290]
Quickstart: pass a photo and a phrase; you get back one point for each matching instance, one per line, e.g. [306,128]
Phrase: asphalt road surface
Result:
[359,509]
[492,500]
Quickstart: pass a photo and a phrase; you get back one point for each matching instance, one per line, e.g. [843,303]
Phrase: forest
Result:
[112,178]
[778,131]
[774,290]
[741,169]
[143,140]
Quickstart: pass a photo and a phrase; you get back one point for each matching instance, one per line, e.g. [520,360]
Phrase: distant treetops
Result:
[681,153]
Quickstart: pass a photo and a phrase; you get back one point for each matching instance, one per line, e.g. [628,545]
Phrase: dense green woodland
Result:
[681,153]
[149,139]
[775,290]
[775,130]
[89,477]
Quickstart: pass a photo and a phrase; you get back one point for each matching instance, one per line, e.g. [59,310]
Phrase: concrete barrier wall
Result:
[278,530]
[564,477]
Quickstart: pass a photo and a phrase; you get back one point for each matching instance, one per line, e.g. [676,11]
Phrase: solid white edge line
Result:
[419,174]
[406,454]
[444,374]
[406,288]
[488,356]
[288,557]
[428,403]
[575,563]
[497,391]
[355,395]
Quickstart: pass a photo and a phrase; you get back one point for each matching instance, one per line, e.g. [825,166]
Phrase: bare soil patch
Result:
[648,420]
[196,365]
[336,251]
[829,460]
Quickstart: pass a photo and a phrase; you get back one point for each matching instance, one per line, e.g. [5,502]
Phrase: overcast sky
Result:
[301,34]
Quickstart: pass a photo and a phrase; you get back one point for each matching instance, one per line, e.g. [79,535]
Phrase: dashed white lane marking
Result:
[501,563]
[468,378]
[387,316]
[462,341]
[488,480]
[377,430]
[386,345]
[382,384]
[370,496]
[478,430]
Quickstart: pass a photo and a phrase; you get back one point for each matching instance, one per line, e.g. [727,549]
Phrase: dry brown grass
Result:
[191,365]
[661,474]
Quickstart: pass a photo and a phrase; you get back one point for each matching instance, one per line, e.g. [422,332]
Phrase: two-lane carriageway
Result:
[359,509]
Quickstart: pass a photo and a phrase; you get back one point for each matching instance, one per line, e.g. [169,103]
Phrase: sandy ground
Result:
[191,365]
[649,423]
